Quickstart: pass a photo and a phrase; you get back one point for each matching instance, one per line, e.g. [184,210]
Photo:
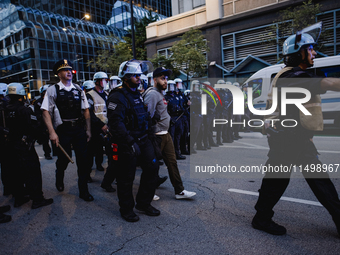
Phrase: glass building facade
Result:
[32,41]
[121,14]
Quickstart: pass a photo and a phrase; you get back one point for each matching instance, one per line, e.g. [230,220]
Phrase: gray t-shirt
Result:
[155,101]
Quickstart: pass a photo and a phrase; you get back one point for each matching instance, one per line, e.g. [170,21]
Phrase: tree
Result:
[110,59]
[188,54]
[162,61]
[290,21]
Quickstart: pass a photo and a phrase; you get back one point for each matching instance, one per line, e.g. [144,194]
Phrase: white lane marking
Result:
[291,199]
[267,148]
[336,152]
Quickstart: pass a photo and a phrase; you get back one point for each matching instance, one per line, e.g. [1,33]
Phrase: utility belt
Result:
[72,123]
[139,136]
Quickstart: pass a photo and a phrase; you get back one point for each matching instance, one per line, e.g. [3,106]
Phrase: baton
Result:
[68,157]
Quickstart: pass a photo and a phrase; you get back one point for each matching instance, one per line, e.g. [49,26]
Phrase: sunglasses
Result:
[135,75]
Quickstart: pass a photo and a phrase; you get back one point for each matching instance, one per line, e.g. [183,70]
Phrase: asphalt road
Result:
[216,221]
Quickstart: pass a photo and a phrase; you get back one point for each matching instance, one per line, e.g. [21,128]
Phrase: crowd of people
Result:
[104,116]
[142,119]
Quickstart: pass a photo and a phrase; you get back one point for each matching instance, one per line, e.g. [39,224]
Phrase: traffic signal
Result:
[74,71]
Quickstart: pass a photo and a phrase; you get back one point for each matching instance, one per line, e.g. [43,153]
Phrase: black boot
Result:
[59,180]
[268,226]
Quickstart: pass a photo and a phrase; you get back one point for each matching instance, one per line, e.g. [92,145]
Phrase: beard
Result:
[132,85]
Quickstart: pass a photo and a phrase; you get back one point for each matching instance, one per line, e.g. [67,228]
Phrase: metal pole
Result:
[132,31]
[76,52]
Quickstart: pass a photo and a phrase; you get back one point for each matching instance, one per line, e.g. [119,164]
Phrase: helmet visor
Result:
[314,31]
[138,67]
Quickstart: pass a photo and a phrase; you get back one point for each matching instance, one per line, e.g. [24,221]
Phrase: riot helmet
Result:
[43,89]
[150,79]
[303,39]
[171,85]
[88,85]
[101,79]
[179,84]
[115,81]
[16,88]
[195,86]
[143,83]
[134,68]
[3,88]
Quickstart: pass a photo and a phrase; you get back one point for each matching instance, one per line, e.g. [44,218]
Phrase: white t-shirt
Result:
[84,103]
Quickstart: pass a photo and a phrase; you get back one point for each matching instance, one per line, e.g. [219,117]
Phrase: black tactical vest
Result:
[137,116]
[69,103]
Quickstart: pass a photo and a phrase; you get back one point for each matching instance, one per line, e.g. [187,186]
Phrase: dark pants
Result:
[195,127]
[170,161]
[184,144]
[176,131]
[300,151]
[110,174]
[95,150]
[24,165]
[126,169]
[75,136]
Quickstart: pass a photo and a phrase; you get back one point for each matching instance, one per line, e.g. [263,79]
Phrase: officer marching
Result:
[128,124]
[64,109]
[294,145]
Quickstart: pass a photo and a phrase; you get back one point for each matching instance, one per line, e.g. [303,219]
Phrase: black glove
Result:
[135,149]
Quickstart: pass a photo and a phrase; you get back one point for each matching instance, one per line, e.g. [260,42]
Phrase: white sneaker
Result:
[185,194]
[155,198]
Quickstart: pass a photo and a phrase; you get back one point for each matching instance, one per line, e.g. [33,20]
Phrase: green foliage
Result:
[290,21]
[188,54]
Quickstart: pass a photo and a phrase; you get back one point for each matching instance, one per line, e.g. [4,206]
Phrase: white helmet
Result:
[43,88]
[236,84]
[195,86]
[179,84]
[221,82]
[114,82]
[100,75]
[88,84]
[16,88]
[228,83]
[101,79]
[144,83]
[134,67]
[171,85]
[3,88]
[149,75]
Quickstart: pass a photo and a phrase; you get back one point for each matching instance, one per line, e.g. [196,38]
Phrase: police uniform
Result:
[66,105]
[97,103]
[294,146]
[175,109]
[6,174]
[196,119]
[21,157]
[128,124]
[43,133]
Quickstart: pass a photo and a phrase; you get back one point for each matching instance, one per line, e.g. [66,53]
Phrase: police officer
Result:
[195,114]
[176,111]
[236,119]
[64,108]
[88,85]
[43,132]
[5,173]
[97,98]
[128,123]
[294,145]
[184,141]
[20,151]
[220,112]
[227,130]
[115,81]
